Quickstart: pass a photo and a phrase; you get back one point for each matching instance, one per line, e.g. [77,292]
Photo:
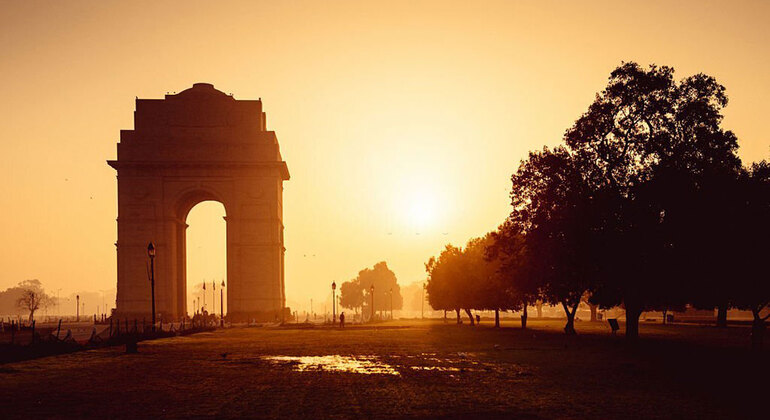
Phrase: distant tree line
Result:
[645,205]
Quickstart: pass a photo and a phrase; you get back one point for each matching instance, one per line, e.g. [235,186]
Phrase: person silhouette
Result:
[342,319]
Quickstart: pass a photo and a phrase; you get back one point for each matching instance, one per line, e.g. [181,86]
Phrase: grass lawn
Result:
[414,369]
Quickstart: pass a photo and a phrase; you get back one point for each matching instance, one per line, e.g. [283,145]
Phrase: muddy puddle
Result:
[424,363]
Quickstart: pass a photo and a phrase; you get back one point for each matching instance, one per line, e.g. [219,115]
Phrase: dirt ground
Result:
[403,369]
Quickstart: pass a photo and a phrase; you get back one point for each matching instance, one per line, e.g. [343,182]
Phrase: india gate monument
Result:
[200,145]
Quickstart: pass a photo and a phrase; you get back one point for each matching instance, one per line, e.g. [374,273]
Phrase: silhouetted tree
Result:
[553,202]
[624,212]
[484,284]
[493,289]
[9,299]
[466,279]
[475,278]
[33,297]
[591,306]
[641,133]
[507,246]
[444,274]
[384,280]
[750,287]
[708,227]
[352,295]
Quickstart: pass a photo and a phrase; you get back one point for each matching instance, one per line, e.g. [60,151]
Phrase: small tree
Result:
[352,295]
[492,291]
[33,297]
[444,273]
[516,286]
[356,292]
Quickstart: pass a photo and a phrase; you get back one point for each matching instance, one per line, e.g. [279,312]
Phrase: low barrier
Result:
[25,343]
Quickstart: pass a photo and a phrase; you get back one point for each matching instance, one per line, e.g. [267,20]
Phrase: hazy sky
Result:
[401,122]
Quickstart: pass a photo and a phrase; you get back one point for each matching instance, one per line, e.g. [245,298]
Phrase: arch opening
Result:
[205,258]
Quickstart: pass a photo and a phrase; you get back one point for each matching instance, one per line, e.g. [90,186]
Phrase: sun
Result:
[421,211]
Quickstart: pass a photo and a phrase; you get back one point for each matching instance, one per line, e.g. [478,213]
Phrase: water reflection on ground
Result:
[397,365]
[367,365]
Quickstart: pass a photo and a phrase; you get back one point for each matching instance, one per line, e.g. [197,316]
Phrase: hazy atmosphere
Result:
[384,209]
[401,121]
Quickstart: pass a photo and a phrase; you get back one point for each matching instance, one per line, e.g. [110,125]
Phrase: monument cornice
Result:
[280,165]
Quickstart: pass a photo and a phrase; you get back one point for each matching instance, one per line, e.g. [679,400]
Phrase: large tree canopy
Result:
[644,205]
[749,288]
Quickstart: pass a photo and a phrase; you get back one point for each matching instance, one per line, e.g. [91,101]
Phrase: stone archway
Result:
[200,145]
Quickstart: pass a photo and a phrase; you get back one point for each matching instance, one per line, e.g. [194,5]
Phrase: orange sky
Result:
[401,122]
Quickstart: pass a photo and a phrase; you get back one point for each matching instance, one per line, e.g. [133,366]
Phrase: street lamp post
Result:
[371,292]
[422,309]
[391,304]
[222,305]
[77,308]
[151,254]
[334,303]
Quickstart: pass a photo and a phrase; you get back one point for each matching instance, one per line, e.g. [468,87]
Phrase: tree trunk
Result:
[665,311]
[722,315]
[569,328]
[459,321]
[539,307]
[524,317]
[632,323]
[497,318]
[445,316]
[757,331]
[470,316]
[594,309]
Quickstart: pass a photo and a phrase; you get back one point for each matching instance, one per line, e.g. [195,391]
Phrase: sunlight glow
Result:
[422,211]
